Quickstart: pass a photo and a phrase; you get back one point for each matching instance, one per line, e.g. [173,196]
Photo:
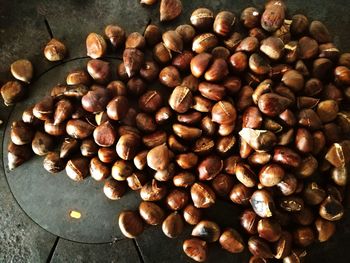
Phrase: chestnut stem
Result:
[48,28]
[148,23]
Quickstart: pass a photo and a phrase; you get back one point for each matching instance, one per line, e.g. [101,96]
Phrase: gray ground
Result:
[22,34]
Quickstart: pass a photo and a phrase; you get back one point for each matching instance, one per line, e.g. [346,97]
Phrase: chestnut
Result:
[173,41]
[77,168]
[224,22]
[22,70]
[42,143]
[249,221]
[331,209]
[202,18]
[204,42]
[222,184]
[153,191]
[17,154]
[21,133]
[325,229]
[127,145]
[176,199]
[240,194]
[88,148]
[250,17]
[135,40]
[303,236]
[150,101]
[269,229]
[79,129]
[258,247]
[98,170]
[262,203]
[151,213]
[53,163]
[115,34]
[202,195]
[210,167]
[152,35]
[173,225]
[169,9]
[283,245]
[209,231]
[223,112]
[196,249]
[271,175]
[54,129]
[43,110]
[55,50]
[130,224]
[181,99]
[184,179]
[158,157]
[64,109]
[99,70]
[96,100]
[133,59]
[121,169]
[231,241]
[113,189]
[136,180]
[69,145]
[192,215]
[170,77]
[96,45]
[187,32]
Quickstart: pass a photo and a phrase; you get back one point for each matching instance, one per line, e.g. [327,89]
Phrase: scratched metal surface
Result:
[23,34]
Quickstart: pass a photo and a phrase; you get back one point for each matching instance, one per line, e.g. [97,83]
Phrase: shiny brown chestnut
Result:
[262,203]
[176,199]
[184,179]
[21,133]
[115,34]
[210,167]
[202,18]
[249,221]
[207,230]
[153,191]
[42,143]
[187,32]
[258,247]
[202,195]
[222,184]
[136,180]
[240,194]
[151,213]
[113,189]
[130,223]
[173,225]
[269,229]
[77,168]
[127,145]
[231,241]
[121,169]
[196,249]
[53,163]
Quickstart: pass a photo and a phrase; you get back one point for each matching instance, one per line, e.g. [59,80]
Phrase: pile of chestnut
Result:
[258,118]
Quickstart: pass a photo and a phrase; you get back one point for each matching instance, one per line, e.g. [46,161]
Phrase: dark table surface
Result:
[23,35]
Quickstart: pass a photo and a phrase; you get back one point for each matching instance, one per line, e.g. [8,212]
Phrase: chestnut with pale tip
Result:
[130,223]
[96,45]
[55,50]
[22,70]
[113,189]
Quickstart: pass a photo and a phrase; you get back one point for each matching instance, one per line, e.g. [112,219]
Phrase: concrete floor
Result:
[23,34]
